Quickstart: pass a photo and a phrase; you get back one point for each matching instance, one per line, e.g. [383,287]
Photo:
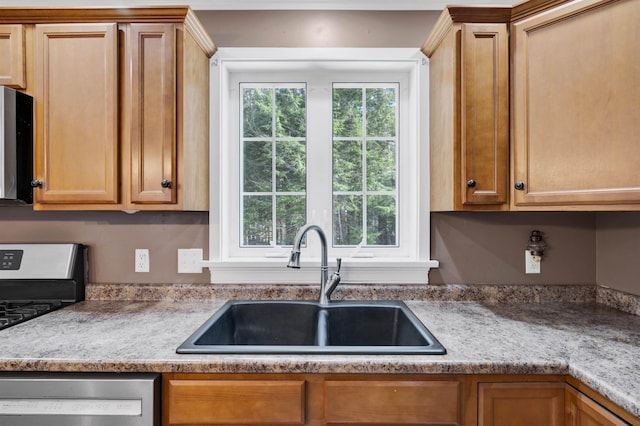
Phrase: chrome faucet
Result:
[327,284]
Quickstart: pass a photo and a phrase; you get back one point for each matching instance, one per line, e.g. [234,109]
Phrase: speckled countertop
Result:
[598,345]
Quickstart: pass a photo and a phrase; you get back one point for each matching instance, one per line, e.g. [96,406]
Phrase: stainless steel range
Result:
[39,278]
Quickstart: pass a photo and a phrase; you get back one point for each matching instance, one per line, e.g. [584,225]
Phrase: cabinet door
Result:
[469,113]
[485,113]
[583,411]
[524,404]
[575,105]
[152,60]
[12,52]
[76,96]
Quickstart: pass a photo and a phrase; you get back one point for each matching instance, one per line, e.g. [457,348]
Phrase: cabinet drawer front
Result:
[393,402]
[214,402]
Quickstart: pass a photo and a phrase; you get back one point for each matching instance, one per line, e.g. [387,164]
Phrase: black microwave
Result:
[16,146]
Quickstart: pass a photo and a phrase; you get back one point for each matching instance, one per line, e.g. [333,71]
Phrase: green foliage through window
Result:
[364,164]
[273,164]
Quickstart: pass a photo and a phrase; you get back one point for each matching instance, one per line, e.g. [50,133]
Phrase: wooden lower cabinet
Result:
[524,404]
[216,402]
[384,399]
[398,402]
[584,411]
[315,399]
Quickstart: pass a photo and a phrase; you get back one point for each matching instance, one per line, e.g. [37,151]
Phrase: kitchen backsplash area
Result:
[585,248]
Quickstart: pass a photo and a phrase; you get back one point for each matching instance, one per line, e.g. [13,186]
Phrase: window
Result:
[324,136]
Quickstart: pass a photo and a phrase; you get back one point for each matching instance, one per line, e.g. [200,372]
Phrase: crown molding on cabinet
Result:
[264,5]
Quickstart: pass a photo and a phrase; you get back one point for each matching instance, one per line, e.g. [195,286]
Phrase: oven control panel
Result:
[30,261]
[10,259]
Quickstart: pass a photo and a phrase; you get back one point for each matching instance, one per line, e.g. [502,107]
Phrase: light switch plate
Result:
[189,261]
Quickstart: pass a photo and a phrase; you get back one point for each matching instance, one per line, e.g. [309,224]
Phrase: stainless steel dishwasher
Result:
[74,399]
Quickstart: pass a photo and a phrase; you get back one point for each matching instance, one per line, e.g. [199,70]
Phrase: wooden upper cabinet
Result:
[12,52]
[152,131]
[469,110]
[76,93]
[122,108]
[576,86]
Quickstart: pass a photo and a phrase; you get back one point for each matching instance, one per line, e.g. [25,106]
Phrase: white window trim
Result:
[272,269]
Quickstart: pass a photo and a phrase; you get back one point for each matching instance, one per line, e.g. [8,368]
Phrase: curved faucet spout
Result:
[294,258]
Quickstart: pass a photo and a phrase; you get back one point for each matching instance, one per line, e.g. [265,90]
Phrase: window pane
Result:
[381,220]
[381,112]
[291,166]
[347,113]
[381,165]
[274,169]
[374,197]
[347,220]
[257,113]
[290,216]
[291,113]
[347,166]
[257,220]
[257,166]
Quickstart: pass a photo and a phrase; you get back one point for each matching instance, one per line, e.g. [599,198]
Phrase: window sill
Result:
[354,271]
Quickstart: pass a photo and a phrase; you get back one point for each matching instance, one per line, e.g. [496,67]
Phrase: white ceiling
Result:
[266,4]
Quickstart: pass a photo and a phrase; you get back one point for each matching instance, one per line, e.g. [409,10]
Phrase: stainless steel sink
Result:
[377,327]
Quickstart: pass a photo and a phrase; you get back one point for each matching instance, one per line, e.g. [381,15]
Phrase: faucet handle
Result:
[339,262]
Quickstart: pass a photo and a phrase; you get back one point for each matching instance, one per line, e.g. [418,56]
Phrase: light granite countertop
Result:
[598,345]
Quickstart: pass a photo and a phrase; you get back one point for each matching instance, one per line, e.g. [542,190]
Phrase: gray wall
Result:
[112,238]
[617,243]
[320,28]
[488,247]
[482,248]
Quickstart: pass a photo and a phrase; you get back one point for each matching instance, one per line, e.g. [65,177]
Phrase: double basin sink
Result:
[304,327]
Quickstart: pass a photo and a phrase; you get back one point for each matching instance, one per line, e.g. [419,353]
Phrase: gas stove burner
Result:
[12,313]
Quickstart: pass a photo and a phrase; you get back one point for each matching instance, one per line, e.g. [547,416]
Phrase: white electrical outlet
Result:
[189,261]
[531,265]
[142,260]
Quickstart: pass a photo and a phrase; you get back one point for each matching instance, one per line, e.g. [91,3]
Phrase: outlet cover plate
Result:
[142,260]
[531,266]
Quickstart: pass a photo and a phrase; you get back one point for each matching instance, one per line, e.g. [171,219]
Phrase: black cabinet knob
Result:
[36,183]
[519,186]
[471,183]
[165,183]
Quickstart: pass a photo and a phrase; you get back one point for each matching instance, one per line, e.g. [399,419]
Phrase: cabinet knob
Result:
[519,186]
[36,183]
[471,183]
[165,183]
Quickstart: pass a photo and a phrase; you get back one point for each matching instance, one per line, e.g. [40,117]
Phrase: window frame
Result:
[228,265]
